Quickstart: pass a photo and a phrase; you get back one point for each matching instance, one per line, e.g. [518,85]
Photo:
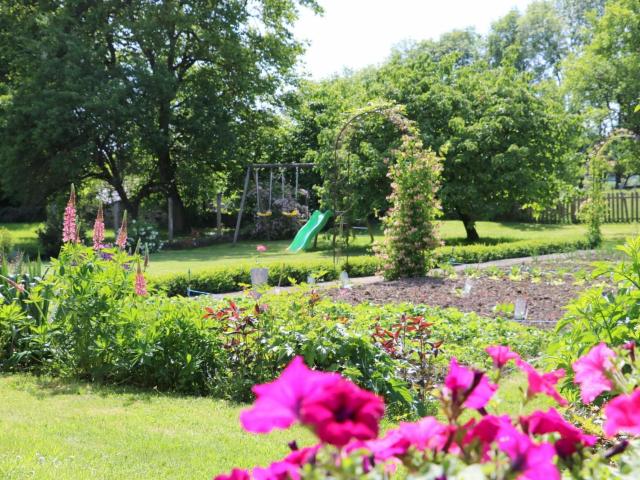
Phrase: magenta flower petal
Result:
[591,372]
[501,355]
[542,383]
[278,403]
[571,437]
[341,411]
[623,415]
[236,474]
[533,461]
[425,434]
[472,386]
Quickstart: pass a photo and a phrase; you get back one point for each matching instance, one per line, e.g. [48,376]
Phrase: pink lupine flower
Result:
[501,355]
[141,284]
[261,248]
[98,230]
[121,239]
[341,411]
[236,474]
[591,372]
[69,226]
[471,388]
[426,434]
[278,403]
[542,383]
[18,286]
[623,414]
[571,437]
[532,461]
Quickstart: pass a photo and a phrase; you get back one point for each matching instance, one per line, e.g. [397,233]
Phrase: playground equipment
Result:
[306,235]
[265,210]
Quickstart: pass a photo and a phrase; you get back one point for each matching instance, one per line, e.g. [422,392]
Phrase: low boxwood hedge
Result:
[229,279]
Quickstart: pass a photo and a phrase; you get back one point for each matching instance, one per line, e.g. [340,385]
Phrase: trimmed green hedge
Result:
[229,279]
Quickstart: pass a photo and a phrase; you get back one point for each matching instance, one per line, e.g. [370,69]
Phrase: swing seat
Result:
[291,214]
[266,213]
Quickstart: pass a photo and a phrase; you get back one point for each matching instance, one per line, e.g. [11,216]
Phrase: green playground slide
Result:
[306,235]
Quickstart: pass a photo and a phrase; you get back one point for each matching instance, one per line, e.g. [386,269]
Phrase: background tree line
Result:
[169,100]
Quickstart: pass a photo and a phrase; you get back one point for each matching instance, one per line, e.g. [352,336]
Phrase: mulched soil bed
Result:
[544,301]
[554,285]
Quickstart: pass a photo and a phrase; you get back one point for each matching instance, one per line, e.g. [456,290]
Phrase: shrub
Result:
[146,234]
[608,312]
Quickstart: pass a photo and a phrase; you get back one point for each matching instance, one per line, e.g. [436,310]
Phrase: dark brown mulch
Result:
[544,300]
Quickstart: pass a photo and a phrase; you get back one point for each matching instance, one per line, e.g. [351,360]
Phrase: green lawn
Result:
[174,261]
[58,431]
[72,431]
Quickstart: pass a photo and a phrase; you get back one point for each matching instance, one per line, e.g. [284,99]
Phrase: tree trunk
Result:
[219,213]
[370,228]
[469,227]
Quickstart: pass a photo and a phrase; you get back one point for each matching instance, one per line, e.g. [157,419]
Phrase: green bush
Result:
[6,242]
[608,312]
[229,279]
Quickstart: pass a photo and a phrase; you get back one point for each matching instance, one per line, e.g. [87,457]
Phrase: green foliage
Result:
[609,312]
[143,234]
[410,235]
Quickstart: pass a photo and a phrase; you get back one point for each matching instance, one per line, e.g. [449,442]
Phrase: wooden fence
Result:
[623,207]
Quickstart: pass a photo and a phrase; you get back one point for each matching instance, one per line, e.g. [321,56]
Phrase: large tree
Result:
[151,97]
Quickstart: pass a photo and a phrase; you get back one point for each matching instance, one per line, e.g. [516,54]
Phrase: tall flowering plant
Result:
[410,232]
[70,232]
[472,440]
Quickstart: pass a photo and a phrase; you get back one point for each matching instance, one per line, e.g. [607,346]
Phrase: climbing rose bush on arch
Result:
[473,441]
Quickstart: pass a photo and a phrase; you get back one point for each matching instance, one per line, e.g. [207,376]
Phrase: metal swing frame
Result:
[247,179]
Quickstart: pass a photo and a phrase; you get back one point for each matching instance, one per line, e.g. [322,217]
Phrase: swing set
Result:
[264,211]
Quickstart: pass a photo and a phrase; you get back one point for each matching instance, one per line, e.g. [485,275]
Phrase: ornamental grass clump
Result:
[474,441]
[410,231]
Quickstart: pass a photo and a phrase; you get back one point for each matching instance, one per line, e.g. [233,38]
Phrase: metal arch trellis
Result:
[394,114]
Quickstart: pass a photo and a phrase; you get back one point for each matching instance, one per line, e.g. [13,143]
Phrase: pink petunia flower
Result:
[532,461]
[141,284]
[236,474]
[341,411]
[542,383]
[98,230]
[571,437]
[485,432]
[391,446]
[623,414]
[471,388]
[261,248]
[501,355]
[591,372]
[426,434]
[278,403]
[69,226]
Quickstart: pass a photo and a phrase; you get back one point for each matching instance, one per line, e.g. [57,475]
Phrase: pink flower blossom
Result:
[571,437]
[98,230]
[278,403]
[391,446]
[236,474]
[501,355]
[542,383]
[141,284]
[121,239]
[281,470]
[532,461]
[485,432]
[426,434]
[341,411]
[261,248]
[471,388]
[69,226]
[591,372]
[623,414]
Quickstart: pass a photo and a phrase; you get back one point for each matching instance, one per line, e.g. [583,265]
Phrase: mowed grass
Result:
[61,430]
[58,430]
[194,260]
[452,231]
